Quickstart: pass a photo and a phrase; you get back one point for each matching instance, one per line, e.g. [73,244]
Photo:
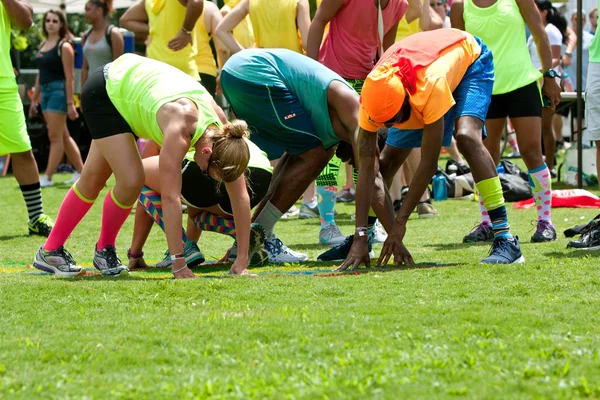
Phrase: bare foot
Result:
[137,263]
[185,273]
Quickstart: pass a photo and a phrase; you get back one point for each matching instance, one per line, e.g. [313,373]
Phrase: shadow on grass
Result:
[11,237]
[572,253]
[454,246]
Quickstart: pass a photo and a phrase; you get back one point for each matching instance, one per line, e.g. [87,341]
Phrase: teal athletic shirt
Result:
[303,76]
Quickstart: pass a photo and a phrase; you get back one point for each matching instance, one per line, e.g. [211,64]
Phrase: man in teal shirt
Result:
[13,132]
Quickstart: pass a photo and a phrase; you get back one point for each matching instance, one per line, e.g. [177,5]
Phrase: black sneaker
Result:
[481,233]
[340,252]
[107,262]
[505,251]
[589,240]
[545,232]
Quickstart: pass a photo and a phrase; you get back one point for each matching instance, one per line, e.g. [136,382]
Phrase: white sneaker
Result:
[330,235]
[279,253]
[292,212]
[379,234]
[45,182]
[73,179]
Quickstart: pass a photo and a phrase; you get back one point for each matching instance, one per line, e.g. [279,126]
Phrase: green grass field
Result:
[446,328]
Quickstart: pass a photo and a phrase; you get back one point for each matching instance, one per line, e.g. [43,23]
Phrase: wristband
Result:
[361,231]
[133,256]
[568,54]
[186,31]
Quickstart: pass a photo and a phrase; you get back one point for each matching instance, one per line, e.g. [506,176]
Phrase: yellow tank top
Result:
[243,32]
[274,24]
[165,18]
[204,56]
[405,29]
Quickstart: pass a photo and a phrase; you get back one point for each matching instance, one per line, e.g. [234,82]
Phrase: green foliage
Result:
[449,328]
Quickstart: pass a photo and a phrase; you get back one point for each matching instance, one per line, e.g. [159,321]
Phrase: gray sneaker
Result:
[192,253]
[58,262]
[330,235]
[107,262]
[307,212]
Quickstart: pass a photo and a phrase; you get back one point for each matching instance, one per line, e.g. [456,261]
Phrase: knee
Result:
[468,142]
[131,183]
[531,156]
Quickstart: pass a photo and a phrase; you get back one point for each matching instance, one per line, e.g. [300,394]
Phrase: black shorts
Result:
[101,116]
[210,83]
[201,191]
[522,102]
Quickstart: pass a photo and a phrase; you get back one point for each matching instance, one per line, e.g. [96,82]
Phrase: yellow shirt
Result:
[405,29]
[243,32]
[435,84]
[165,19]
[274,24]
[204,56]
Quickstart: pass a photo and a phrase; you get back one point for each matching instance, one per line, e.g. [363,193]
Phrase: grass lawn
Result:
[447,328]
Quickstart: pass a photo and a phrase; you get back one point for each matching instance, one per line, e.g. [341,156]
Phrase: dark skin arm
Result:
[193,10]
[324,14]
[19,13]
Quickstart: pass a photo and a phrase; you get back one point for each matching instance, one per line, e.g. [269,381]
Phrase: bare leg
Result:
[495,130]
[548,136]
[349,176]
[468,137]
[56,127]
[530,143]
[25,168]
[410,166]
[72,151]
[454,153]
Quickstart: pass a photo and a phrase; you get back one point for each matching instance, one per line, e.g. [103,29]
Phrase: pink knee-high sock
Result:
[485,218]
[72,210]
[114,215]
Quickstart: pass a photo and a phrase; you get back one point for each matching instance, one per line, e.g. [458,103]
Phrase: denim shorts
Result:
[54,97]
[472,96]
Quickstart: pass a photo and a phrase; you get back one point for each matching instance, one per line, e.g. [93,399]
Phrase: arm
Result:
[118,43]
[193,10]
[240,205]
[215,16]
[390,37]
[19,12]
[177,123]
[324,14]
[532,18]
[567,59]
[435,22]
[303,20]
[68,54]
[414,10]
[224,31]
[135,18]
[456,15]
[430,151]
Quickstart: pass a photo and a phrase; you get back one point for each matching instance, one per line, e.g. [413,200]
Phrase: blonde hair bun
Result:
[236,129]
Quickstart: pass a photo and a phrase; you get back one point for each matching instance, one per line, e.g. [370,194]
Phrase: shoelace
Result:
[64,253]
[111,257]
[499,245]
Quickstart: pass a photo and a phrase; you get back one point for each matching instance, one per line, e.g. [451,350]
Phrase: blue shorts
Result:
[277,120]
[472,96]
[54,97]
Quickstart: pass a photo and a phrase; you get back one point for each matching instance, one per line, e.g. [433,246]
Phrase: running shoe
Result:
[279,253]
[427,210]
[192,253]
[545,232]
[308,212]
[108,263]
[346,195]
[589,240]
[341,251]
[482,233]
[292,212]
[330,235]
[58,262]
[45,182]
[505,251]
[42,226]
[377,235]
[76,175]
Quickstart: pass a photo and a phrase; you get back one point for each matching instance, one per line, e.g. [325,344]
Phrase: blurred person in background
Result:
[56,81]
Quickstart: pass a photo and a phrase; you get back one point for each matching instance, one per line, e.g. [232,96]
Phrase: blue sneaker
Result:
[340,252]
[504,251]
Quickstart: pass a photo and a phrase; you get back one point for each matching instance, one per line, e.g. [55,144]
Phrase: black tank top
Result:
[50,65]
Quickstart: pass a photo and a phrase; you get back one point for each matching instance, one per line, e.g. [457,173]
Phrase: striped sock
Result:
[33,200]
[490,191]
[215,223]
[152,203]
[500,223]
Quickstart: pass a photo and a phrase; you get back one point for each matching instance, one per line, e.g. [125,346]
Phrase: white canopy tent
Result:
[71,6]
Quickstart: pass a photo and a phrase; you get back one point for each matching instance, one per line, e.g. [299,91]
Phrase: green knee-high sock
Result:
[491,193]
[152,203]
[215,223]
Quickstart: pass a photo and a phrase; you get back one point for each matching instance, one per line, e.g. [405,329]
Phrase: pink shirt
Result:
[350,46]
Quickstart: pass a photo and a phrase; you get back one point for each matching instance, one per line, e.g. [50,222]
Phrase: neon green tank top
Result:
[258,158]
[502,29]
[595,46]
[139,87]
[6,70]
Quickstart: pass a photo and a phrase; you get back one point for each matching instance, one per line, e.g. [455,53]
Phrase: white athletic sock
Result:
[268,217]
